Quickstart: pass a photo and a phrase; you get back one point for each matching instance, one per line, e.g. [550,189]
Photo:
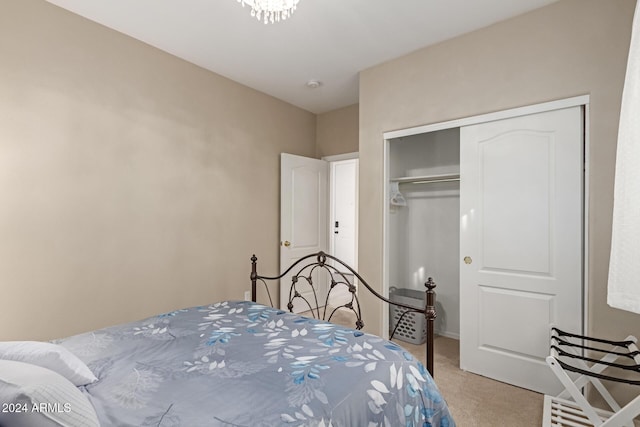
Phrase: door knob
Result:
[468,260]
[287,243]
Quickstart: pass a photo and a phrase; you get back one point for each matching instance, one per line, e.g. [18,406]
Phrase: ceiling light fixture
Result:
[271,10]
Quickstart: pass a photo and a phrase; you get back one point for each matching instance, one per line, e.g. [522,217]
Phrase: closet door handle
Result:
[467,260]
[286,243]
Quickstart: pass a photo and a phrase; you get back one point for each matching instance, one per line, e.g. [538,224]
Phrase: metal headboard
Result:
[302,276]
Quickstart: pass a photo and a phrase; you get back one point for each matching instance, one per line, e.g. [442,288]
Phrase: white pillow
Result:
[32,396]
[50,356]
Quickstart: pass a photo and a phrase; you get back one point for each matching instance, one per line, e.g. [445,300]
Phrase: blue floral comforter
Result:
[244,364]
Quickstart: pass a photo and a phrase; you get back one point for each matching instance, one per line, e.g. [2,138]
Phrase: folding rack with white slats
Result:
[570,408]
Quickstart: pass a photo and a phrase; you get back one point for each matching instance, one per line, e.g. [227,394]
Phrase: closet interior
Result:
[424,220]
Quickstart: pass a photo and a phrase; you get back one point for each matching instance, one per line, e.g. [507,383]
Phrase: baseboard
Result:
[446,334]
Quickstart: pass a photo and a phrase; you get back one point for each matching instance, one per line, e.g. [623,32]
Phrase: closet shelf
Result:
[426,179]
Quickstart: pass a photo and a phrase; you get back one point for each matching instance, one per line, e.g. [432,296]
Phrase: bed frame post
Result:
[430,315]
[254,278]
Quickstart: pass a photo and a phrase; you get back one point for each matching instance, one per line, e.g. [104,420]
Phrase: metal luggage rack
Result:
[572,353]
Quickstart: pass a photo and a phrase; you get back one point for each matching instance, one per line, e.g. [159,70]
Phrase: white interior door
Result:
[343,218]
[521,202]
[303,221]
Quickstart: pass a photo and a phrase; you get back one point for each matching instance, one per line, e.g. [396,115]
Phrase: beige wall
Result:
[569,48]
[126,176]
[337,131]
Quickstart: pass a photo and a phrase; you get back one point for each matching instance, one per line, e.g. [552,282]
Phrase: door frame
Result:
[582,100]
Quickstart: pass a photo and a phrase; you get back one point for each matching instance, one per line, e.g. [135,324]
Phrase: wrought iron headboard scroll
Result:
[303,270]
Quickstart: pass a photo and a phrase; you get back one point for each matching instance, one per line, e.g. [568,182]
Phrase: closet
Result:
[492,207]
[424,225]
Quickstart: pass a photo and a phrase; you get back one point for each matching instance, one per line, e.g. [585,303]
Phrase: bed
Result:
[230,363]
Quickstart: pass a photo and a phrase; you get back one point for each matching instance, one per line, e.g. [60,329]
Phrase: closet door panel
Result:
[520,231]
[521,243]
[528,313]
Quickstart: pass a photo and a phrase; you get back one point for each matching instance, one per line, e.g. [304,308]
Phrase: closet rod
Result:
[430,181]
[426,179]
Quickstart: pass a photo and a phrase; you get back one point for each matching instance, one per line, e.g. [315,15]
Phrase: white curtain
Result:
[624,265]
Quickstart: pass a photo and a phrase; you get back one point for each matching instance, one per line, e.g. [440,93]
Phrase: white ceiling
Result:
[327,40]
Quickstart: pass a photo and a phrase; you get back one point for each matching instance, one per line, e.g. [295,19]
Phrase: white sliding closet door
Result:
[521,202]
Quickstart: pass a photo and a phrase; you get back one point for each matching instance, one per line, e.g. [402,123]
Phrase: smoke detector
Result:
[313,84]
